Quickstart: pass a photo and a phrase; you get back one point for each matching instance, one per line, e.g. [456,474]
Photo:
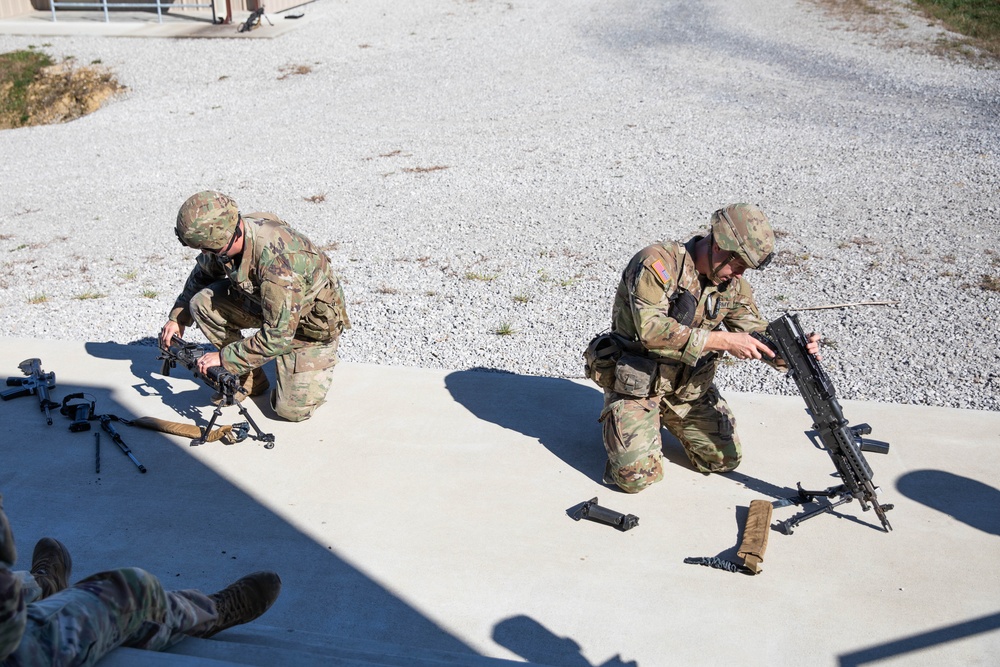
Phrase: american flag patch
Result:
[661,270]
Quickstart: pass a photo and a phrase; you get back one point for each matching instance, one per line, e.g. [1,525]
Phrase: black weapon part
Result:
[591,510]
[106,425]
[80,408]
[767,341]
[714,562]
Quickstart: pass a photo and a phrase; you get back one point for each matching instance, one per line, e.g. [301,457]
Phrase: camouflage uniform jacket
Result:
[653,279]
[282,277]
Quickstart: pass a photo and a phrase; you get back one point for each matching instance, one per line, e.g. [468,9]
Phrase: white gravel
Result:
[573,132]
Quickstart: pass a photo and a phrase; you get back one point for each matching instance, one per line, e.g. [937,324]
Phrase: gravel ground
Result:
[490,166]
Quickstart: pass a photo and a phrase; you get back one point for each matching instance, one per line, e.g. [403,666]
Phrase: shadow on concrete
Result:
[537,644]
[921,641]
[182,521]
[512,401]
[967,500]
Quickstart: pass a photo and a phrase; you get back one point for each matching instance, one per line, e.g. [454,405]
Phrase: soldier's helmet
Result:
[743,229]
[207,220]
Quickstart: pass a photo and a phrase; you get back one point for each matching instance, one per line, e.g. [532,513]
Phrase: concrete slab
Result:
[174,25]
[429,508]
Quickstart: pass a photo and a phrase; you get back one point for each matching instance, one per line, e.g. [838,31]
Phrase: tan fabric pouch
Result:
[755,535]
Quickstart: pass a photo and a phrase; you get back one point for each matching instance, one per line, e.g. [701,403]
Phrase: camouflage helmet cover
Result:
[743,229]
[207,220]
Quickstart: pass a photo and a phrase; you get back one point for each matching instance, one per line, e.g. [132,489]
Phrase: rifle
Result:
[37,382]
[842,442]
[227,384]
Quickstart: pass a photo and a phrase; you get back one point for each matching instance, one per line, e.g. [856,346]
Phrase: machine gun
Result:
[227,384]
[37,382]
[253,21]
[842,442]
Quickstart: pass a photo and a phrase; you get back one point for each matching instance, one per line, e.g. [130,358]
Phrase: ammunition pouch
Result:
[635,376]
[327,318]
[600,358]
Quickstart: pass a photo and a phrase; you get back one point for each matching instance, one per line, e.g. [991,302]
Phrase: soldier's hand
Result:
[168,331]
[739,345]
[813,345]
[208,360]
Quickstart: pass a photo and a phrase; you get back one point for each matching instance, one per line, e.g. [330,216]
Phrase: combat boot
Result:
[254,384]
[242,601]
[51,565]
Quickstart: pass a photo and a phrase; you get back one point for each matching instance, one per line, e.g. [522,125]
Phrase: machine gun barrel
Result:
[113,432]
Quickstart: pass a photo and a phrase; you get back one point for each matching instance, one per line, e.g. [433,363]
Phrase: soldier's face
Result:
[727,266]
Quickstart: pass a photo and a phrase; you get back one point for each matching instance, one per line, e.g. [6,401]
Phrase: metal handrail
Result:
[127,5]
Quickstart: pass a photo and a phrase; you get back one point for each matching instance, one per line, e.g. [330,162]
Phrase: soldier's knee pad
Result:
[292,413]
[637,476]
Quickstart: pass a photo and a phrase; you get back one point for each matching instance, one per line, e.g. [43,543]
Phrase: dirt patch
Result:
[60,93]
[903,24]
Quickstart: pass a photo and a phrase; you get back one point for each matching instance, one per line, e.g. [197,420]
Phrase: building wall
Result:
[14,8]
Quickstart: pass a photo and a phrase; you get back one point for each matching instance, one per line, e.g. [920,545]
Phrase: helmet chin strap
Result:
[711,261]
[222,254]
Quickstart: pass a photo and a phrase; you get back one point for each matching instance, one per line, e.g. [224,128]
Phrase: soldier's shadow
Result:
[563,415]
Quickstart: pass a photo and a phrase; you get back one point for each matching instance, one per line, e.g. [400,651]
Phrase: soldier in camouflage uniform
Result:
[45,622]
[256,272]
[678,309]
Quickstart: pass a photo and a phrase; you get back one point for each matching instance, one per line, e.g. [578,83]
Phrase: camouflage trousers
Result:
[83,623]
[304,375]
[705,427]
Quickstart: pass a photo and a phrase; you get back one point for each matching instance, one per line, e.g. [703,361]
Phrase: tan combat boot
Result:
[243,600]
[51,566]
[254,384]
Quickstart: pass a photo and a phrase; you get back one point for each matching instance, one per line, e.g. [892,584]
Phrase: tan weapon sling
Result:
[191,431]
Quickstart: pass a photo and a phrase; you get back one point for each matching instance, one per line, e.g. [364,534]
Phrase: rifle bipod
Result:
[266,438]
[842,495]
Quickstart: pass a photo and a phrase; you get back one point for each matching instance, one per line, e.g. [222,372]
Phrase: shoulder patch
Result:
[661,270]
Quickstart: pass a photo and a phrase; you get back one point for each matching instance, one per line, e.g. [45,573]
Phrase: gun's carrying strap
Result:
[225,433]
[755,534]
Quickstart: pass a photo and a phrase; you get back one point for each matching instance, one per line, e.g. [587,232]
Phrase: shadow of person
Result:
[563,416]
[964,499]
[560,413]
[537,644]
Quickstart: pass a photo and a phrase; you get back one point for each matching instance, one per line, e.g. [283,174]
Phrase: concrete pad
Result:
[429,508]
[176,24]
